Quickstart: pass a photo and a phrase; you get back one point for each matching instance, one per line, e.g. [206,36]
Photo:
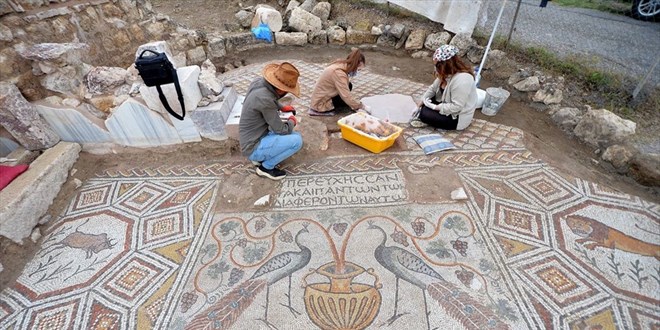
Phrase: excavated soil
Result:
[542,137]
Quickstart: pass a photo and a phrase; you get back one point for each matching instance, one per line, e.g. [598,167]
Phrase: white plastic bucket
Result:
[481,96]
[495,98]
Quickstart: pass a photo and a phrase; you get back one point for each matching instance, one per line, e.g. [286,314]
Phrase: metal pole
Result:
[641,83]
[513,24]
[492,35]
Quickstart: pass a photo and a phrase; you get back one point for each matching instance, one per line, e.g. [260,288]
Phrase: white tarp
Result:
[457,16]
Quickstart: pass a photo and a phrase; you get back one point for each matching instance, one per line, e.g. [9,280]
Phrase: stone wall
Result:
[112,29]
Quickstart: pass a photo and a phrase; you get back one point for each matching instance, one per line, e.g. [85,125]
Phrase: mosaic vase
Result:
[342,304]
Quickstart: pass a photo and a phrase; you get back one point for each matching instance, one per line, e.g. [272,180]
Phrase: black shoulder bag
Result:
[158,70]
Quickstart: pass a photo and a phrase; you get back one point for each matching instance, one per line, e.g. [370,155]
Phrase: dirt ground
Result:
[542,137]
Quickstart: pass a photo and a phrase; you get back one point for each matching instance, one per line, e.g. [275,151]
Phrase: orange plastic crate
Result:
[364,140]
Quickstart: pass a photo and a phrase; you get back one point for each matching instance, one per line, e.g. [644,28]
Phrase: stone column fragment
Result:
[21,119]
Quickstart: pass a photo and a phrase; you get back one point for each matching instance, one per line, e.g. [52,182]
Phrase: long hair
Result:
[452,66]
[353,60]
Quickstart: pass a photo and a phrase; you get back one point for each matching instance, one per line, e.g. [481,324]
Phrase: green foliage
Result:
[610,90]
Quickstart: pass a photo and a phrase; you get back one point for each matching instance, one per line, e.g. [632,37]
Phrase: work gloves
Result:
[291,109]
[288,108]
[293,119]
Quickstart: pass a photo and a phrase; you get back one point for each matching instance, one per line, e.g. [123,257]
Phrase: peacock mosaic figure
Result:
[223,313]
[409,267]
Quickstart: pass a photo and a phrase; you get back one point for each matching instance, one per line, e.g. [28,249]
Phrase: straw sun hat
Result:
[283,76]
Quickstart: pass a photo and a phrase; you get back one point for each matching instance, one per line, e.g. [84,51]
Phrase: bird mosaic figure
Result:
[409,267]
[223,313]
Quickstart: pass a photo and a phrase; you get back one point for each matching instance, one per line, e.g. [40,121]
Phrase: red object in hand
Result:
[293,119]
[288,108]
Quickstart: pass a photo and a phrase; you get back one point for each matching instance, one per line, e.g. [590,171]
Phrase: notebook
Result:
[432,143]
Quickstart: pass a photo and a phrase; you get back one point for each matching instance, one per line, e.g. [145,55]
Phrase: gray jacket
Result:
[459,98]
[259,115]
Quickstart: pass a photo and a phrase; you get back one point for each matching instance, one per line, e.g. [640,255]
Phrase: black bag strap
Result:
[178,93]
[148,50]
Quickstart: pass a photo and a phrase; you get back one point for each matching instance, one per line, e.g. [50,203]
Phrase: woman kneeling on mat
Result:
[333,88]
[449,103]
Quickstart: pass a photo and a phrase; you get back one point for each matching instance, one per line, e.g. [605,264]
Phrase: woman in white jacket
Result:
[449,103]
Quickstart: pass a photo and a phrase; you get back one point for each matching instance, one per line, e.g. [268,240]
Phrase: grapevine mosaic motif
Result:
[344,246]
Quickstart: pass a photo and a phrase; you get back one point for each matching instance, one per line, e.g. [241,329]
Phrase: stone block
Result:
[403,39]
[358,37]
[186,129]
[157,46]
[244,18]
[291,38]
[67,80]
[567,118]
[336,35]
[549,94]
[435,40]
[5,33]
[188,77]
[27,198]
[322,10]
[73,125]
[463,41]
[397,30]
[134,124]
[216,48]
[196,55]
[209,84]
[268,15]
[602,128]
[530,84]
[416,40]
[618,155]
[304,21]
[231,126]
[21,156]
[210,120]
[21,119]
[318,38]
[386,40]
[308,5]
[60,54]
[243,41]
[103,79]
[293,4]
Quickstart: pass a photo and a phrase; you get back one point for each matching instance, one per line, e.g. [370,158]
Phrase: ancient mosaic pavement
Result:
[344,245]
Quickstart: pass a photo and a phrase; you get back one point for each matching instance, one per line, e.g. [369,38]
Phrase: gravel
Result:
[612,43]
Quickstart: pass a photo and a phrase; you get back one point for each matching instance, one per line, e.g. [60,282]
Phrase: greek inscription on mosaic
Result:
[342,189]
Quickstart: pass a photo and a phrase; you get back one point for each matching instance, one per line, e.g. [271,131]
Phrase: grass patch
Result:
[610,6]
[603,89]
[577,68]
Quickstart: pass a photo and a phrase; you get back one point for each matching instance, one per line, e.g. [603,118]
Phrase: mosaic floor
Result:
[344,246]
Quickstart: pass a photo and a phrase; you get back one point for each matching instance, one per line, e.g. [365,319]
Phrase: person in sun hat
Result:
[333,88]
[449,103]
[264,137]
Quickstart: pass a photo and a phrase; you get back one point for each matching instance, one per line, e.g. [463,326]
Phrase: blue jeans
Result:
[274,148]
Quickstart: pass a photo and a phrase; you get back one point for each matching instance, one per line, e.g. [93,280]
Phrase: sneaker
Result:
[255,163]
[274,174]
[417,123]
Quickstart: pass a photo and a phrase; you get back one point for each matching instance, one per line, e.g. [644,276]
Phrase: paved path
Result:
[529,249]
[616,43]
